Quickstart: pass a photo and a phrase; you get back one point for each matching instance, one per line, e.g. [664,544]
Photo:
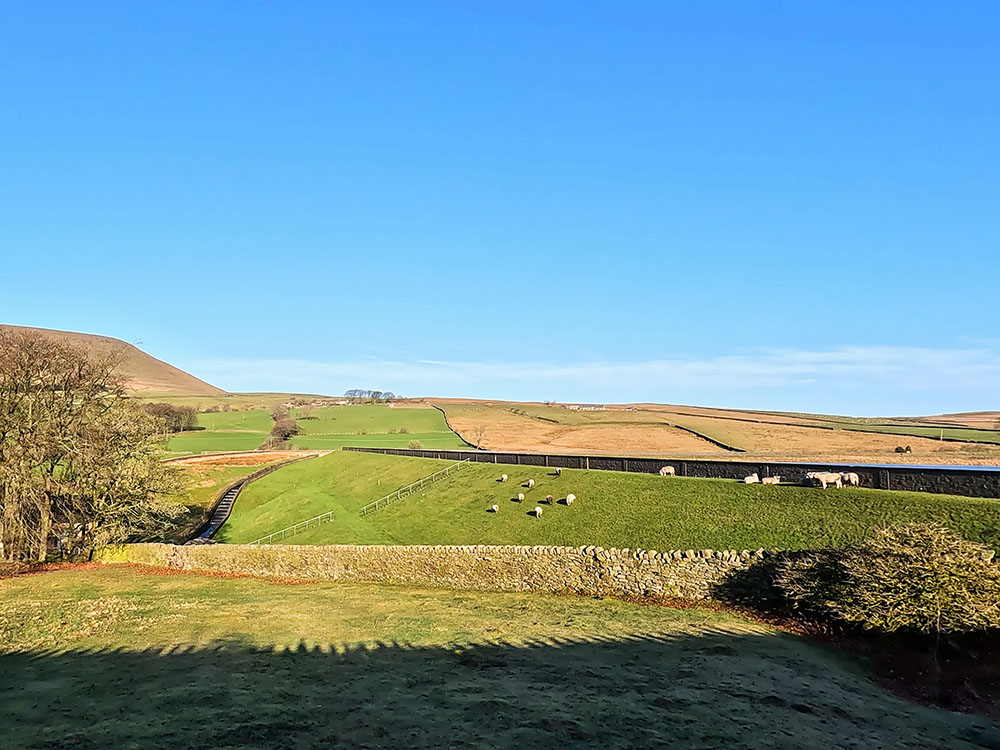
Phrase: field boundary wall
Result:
[589,571]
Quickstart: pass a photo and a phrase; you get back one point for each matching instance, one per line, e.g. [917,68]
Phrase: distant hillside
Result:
[145,373]
[982,420]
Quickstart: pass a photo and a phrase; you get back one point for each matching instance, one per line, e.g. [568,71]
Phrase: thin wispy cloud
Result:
[859,379]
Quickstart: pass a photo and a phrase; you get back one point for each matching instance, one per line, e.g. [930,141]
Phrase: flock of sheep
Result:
[530,484]
[822,479]
[813,478]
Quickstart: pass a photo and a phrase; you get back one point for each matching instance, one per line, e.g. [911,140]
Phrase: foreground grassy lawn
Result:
[115,658]
[613,509]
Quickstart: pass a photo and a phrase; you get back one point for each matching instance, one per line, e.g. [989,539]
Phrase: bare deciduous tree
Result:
[79,460]
[284,428]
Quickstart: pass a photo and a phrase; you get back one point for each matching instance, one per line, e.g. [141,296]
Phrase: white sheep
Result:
[752,479]
[823,478]
[570,498]
[494,509]
[503,477]
[538,511]
[558,471]
[548,499]
[668,471]
[850,478]
[520,497]
[531,483]
[771,480]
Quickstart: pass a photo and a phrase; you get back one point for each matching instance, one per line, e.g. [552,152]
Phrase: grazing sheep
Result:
[834,479]
[823,478]
[538,511]
[531,483]
[570,498]
[548,499]
[850,478]
[558,471]
[771,480]
[668,471]
[494,509]
[520,497]
[752,479]
[503,477]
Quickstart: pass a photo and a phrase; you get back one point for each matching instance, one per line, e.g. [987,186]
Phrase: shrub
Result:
[284,429]
[416,444]
[404,430]
[917,577]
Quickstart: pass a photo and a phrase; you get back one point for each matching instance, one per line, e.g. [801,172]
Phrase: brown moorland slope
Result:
[982,420]
[659,429]
[145,373]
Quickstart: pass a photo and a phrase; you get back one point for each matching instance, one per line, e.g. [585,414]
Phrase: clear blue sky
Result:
[777,205]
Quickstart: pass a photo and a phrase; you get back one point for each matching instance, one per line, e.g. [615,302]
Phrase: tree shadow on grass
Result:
[711,688]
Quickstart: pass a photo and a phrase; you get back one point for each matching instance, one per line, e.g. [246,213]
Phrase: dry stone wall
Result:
[592,571]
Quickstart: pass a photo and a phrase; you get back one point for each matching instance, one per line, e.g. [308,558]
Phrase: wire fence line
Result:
[392,497]
[409,489]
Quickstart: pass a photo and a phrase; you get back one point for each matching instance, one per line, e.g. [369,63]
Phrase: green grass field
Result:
[113,657]
[328,428]
[374,426]
[343,482]
[224,431]
[613,509]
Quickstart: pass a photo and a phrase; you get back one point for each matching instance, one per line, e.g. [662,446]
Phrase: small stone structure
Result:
[591,571]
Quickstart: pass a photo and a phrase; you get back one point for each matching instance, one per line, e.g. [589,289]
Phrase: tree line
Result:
[175,418]
[360,394]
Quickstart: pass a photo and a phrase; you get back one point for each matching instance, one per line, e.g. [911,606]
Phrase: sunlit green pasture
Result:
[612,509]
[325,428]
